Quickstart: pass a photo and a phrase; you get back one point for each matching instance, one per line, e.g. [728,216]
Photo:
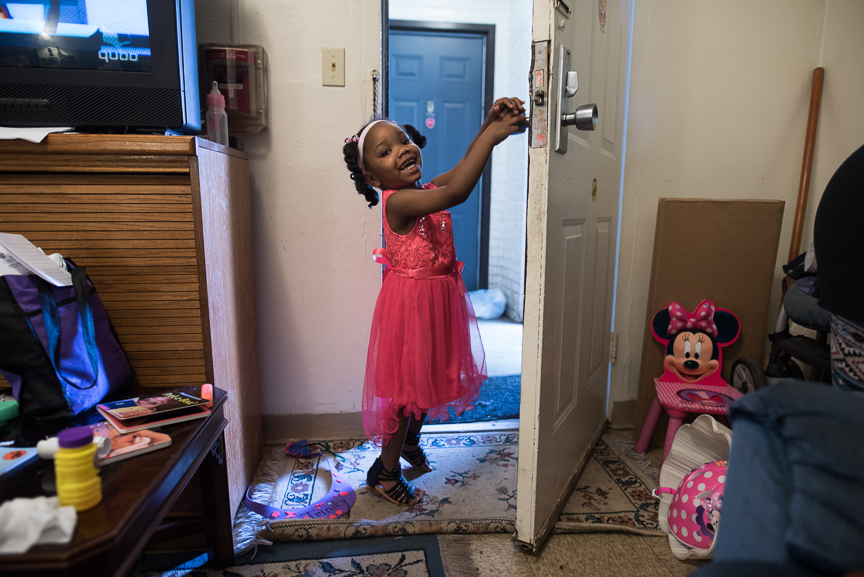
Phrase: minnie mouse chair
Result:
[691,381]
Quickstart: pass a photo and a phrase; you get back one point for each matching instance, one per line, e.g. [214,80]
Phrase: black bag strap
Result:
[51,320]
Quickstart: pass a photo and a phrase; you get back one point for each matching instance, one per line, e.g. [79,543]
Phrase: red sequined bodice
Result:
[429,244]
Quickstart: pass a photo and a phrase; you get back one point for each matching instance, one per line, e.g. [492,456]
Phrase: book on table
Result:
[156,410]
[157,420]
[157,404]
[124,446]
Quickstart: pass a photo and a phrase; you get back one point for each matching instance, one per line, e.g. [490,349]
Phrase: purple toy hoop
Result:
[336,503]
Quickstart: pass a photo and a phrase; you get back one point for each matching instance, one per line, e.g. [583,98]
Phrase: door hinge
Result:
[613,347]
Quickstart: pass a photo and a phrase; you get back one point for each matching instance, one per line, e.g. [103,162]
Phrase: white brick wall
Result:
[510,159]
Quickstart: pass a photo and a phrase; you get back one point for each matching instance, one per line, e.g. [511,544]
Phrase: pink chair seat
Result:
[679,398]
[695,398]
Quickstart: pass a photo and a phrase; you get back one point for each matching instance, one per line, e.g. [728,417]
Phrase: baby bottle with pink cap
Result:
[216,119]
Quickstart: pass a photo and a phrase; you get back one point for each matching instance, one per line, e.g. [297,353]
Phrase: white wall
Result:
[719,98]
[312,233]
[841,118]
[718,109]
[512,20]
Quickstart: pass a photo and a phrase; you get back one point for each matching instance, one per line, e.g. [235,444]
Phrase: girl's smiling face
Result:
[391,160]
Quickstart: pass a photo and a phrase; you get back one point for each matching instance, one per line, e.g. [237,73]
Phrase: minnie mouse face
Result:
[691,357]
[712,510]
[693,340]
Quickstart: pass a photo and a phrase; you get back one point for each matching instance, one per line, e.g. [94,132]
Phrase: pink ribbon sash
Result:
[382,256]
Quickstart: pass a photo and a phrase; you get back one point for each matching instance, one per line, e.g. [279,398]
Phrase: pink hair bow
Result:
[702,319]
[354,138]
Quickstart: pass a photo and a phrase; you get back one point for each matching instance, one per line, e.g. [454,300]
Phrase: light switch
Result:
[332,66]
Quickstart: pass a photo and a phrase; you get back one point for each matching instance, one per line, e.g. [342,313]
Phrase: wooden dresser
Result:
[162,224]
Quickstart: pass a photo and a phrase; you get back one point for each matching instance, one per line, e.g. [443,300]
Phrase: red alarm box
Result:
[240,71]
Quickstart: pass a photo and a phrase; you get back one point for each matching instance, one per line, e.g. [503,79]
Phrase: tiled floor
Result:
[588,554]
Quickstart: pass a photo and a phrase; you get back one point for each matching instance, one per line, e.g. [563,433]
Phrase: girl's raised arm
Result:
[407,204]
[514,104]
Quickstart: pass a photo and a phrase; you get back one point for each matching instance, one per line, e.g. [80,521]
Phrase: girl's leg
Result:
[390,452]
[416,424]
[412,451]
[386,473]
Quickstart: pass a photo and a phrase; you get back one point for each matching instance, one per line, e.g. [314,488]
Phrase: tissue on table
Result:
[37,521]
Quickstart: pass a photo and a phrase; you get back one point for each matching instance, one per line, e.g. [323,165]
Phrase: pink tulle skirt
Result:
[425,353]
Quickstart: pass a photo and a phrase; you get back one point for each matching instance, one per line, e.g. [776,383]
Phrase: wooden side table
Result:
[137,495]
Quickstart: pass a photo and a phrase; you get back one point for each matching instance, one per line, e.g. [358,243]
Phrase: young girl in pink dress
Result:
[425,354]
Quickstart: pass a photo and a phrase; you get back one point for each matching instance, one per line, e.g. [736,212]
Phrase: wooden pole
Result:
[807,164]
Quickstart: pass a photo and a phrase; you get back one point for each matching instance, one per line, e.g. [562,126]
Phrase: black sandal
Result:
[416,456]
[402,493]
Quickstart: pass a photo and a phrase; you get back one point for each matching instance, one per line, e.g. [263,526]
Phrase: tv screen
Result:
[76,34]
[99,64]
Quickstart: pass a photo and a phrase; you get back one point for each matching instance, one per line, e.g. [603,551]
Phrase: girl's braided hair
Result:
[351,154]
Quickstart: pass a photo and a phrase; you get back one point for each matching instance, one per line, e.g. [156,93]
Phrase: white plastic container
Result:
[216,119]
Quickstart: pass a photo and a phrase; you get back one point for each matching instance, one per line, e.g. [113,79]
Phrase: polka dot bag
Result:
[691,487]
[696,504]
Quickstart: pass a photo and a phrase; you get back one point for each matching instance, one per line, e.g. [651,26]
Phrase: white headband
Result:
[362,138]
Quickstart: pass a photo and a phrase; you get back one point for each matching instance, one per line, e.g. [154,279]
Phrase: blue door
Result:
[436,85]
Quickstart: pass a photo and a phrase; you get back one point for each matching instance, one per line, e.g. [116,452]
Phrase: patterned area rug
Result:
[613,493]
[388,557]
[471,490]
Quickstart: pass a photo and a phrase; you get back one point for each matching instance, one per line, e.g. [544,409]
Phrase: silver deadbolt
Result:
[585,117]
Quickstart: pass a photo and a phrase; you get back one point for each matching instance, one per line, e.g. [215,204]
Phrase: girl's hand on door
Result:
[501,106]
[513,104]
[507,123]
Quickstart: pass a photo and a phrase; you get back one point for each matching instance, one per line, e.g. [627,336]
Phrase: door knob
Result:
[585,117]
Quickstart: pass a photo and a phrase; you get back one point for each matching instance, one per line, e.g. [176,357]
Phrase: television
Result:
[99,65]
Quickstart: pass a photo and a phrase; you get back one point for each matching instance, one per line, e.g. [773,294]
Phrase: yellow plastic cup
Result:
[78,482]
[82,496]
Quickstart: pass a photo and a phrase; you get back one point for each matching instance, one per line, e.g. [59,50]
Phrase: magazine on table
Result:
[184,399]
[153,421]
[124,446]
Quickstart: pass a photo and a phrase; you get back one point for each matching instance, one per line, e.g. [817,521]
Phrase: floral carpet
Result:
[386,557]
[613,493]
[409,564]
[471,490]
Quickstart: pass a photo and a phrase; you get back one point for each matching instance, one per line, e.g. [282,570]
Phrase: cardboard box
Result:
[723,250]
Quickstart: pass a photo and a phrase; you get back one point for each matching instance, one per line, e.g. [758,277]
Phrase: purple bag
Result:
[58,349]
